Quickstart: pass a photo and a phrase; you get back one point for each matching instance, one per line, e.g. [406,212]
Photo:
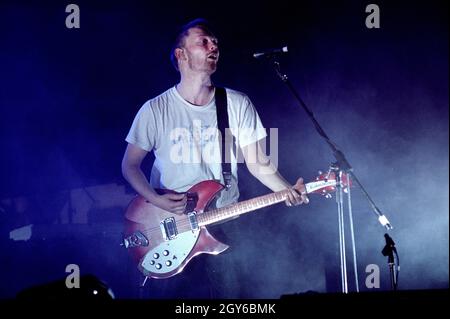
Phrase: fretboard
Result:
[219,214]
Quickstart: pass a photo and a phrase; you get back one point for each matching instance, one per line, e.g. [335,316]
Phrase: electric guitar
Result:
[162,243]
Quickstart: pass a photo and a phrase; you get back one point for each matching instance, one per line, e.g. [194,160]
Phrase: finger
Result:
[296,197]
[178,212]
[301,190]
[174,196]
[290,199]
[295,192]
[183,201]
[178,205]
[300,186]
[179,209]
[305,199]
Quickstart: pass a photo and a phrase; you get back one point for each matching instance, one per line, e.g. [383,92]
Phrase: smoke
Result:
[399,151]
[68,99]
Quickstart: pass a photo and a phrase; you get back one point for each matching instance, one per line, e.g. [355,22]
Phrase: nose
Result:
[214,47]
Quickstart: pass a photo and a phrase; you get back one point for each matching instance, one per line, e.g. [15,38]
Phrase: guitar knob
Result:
[328,195]
[319,172]
[156,255]
[152,262]
[165,252]
[168,263]
[158,266]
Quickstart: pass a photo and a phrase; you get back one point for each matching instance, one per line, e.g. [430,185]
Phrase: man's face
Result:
[201,51]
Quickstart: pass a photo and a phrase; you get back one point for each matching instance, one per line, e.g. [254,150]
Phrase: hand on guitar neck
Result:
[297,194]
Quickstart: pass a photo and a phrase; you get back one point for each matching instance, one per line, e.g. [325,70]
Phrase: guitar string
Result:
[185,221]
[181,223]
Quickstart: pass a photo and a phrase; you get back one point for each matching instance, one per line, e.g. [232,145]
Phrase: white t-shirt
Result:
[185,140]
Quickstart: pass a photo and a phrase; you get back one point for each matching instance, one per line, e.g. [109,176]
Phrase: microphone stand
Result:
[341,167]
[388,251]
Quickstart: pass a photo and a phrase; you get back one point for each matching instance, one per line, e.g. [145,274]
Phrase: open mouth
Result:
[213,57]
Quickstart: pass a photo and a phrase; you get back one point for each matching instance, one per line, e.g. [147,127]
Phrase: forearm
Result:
[268,175]
[135,176]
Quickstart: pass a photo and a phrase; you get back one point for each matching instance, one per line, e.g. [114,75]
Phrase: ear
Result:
[179,54]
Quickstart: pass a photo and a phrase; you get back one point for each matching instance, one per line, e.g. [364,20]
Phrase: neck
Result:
[196,89]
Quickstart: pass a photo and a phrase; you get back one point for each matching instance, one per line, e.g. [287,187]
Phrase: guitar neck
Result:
[220,214]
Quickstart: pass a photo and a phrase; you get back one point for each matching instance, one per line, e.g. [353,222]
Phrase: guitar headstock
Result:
[325,183]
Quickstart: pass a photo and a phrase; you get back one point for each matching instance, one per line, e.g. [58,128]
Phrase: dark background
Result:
[68,97]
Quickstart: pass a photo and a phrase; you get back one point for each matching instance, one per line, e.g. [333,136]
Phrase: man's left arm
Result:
[260,166]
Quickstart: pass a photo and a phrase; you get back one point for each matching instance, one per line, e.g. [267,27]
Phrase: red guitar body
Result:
[168,257]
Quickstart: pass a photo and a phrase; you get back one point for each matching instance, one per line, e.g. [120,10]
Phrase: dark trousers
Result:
[204,277]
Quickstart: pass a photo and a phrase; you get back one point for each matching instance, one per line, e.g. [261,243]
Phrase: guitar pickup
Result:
[193,220]
[169,228]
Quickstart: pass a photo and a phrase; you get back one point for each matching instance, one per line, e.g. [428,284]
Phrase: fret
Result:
[219,214]
[277,196]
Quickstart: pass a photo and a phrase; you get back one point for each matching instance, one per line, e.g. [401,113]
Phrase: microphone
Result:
[389,241]
[389,249]
[270,53]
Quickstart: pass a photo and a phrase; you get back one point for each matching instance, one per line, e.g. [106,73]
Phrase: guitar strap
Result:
[227,139]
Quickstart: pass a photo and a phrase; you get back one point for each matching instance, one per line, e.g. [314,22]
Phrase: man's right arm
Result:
[132,172]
